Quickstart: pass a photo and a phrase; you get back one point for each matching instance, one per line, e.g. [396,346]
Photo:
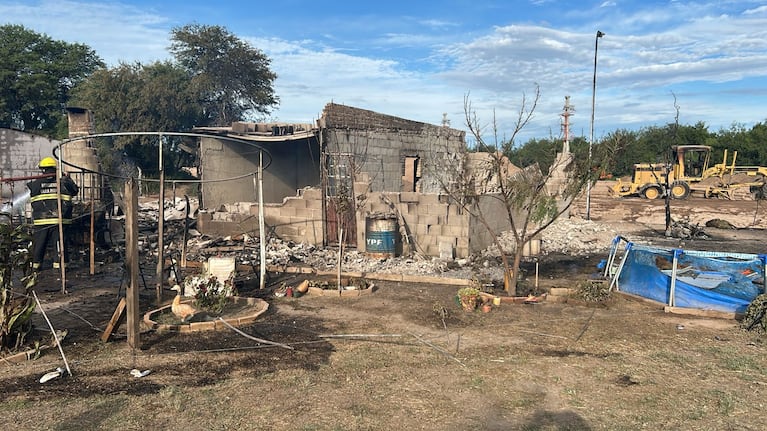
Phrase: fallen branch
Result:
[250,337]
[437,348]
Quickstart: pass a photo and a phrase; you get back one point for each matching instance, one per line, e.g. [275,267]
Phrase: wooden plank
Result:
[132,262]
[115,321]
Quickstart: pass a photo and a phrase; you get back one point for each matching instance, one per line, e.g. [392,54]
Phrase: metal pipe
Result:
[160,226]
[27,178]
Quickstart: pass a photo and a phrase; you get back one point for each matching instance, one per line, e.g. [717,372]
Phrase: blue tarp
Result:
[704,280]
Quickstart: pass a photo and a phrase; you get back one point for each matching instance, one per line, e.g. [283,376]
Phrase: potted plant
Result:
[468,298]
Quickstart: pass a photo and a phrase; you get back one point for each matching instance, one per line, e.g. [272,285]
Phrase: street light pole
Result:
[591,135]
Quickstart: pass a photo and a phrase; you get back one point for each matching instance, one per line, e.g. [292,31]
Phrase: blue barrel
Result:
[381,237]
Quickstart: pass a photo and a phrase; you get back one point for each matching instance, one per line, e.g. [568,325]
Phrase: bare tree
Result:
[530,199]
[669,167]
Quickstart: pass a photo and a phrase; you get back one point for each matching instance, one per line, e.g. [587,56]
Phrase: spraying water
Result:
[13,208]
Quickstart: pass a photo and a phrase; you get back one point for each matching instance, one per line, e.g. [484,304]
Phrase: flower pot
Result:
[469,303]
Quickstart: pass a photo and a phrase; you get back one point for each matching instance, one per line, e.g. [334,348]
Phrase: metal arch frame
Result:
[161,134]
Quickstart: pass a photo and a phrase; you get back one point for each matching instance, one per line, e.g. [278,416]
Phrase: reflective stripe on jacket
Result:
[43,197]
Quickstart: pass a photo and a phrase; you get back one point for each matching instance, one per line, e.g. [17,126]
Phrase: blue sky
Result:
[419,59]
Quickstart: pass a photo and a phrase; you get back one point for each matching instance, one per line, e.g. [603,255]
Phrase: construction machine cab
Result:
[690,161]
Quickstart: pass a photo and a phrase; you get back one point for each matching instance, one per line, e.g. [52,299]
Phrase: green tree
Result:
[36,76]
[749,143]
[140,98]
[232,77]
[630,152]
[540,151]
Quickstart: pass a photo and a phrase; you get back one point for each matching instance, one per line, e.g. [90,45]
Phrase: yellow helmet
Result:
[48,162]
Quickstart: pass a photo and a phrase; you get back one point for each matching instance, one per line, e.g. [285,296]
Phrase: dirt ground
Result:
[407,356]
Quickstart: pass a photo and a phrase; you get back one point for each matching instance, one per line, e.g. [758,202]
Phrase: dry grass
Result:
[623,366]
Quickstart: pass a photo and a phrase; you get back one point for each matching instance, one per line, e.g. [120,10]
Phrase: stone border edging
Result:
[316,291]
[215,325]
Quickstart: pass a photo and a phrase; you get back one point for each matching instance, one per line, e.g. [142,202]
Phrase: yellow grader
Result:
[690,172]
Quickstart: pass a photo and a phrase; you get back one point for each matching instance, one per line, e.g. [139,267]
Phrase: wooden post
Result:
[61,228]
[132,261]
[161,229]
[186,232]
[63,270]
[340,253]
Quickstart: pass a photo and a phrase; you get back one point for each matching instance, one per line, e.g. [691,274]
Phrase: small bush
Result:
[210,293]
[593,290]
[15,307]
[755,318]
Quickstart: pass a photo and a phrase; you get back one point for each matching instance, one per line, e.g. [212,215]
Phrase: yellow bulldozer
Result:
[689,172]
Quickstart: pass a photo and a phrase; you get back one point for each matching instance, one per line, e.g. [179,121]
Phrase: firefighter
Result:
[45,211]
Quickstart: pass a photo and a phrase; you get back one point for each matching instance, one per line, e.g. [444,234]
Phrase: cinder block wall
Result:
[427,223]
[297,219]
[20,154]
[381,142]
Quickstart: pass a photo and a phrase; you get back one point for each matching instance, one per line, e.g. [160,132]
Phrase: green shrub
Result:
[15,307]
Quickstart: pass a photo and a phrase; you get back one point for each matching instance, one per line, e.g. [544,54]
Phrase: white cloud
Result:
[115,31]
[420,67]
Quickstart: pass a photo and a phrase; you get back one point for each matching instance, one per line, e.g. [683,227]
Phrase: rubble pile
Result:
[686,230]
[573,236]
[578,237]
[416,265]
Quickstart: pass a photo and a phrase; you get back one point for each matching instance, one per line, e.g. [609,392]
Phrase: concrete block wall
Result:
[495,214]
[20,155]
[297,219]
[294,165]
[381,142]
[427,224]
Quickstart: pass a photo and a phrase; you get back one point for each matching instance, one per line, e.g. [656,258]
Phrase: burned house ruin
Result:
[352,167]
